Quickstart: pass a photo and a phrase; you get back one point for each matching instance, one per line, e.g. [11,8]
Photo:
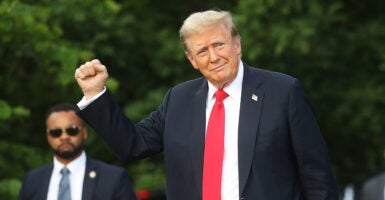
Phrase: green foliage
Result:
[148,173]
[22,157]
[9,188]
[142,107]
[13,162]
[5,110]
[336,48]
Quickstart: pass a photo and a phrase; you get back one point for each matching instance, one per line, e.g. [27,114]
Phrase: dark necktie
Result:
[213,153]
[64,186]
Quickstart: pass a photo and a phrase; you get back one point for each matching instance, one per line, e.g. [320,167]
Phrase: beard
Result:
[68,155]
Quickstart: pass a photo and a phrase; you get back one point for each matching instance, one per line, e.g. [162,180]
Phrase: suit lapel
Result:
[250,111]
[197,136]
[90,177]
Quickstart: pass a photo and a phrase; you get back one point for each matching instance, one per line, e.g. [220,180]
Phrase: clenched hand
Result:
[91,77]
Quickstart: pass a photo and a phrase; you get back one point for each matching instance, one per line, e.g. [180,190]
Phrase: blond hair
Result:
[200,21]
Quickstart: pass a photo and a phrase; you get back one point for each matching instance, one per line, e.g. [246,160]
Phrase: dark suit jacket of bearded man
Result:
[101,182]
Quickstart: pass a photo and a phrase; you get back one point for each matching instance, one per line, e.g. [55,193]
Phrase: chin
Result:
[67,154]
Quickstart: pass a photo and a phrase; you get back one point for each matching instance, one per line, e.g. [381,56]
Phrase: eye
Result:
[219,44]
[56,132]
[202,52]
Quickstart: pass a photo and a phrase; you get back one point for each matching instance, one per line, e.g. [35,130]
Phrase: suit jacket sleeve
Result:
[129,141]
[315,172]
[23,189]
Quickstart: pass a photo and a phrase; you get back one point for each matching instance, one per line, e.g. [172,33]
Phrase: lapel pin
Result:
[92,174]
[254,97]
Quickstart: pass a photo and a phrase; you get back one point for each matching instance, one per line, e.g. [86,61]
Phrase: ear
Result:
[237,44]
[191,59]
[85,133]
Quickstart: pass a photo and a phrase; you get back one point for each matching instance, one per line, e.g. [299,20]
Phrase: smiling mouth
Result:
[218,68]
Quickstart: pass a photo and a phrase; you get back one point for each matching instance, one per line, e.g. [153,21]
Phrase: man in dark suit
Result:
[374,188]
[89,179]
[272,148]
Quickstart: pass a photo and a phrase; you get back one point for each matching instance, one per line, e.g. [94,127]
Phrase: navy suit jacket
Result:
[110,183]
[282,154]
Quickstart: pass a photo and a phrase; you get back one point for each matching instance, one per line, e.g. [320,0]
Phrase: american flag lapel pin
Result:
[254,97]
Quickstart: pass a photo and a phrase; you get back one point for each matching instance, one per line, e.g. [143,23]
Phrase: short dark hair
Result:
[61,107]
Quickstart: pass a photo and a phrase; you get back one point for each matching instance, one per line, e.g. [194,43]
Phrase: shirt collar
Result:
[234,90]
[73,166]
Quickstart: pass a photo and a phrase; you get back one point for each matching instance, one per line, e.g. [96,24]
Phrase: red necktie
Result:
[213,154]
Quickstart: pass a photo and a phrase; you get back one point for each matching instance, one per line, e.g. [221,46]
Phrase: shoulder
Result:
[39,171]
[269,76]
[103,167]
[187,90]
[375,180]
[272,81]
[112,175]
[35,182]
[39,175]
[370,186]
[191,84]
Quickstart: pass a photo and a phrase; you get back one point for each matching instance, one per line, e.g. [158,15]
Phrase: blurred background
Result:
[335,47]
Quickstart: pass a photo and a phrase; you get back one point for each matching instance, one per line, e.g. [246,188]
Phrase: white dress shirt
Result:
[83,103]
[77,170]
[230,174]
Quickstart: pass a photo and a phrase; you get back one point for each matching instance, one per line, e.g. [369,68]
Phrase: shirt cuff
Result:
[83,103]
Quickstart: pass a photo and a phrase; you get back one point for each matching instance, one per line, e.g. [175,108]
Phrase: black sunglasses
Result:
[72,130]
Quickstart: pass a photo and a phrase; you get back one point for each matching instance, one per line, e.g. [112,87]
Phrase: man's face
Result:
[215,54]
[66,146]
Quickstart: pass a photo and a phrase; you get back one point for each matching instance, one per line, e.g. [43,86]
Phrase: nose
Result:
[213,55]
[64,135]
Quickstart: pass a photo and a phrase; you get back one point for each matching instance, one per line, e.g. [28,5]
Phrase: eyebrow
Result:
[213,42]
[202,49]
